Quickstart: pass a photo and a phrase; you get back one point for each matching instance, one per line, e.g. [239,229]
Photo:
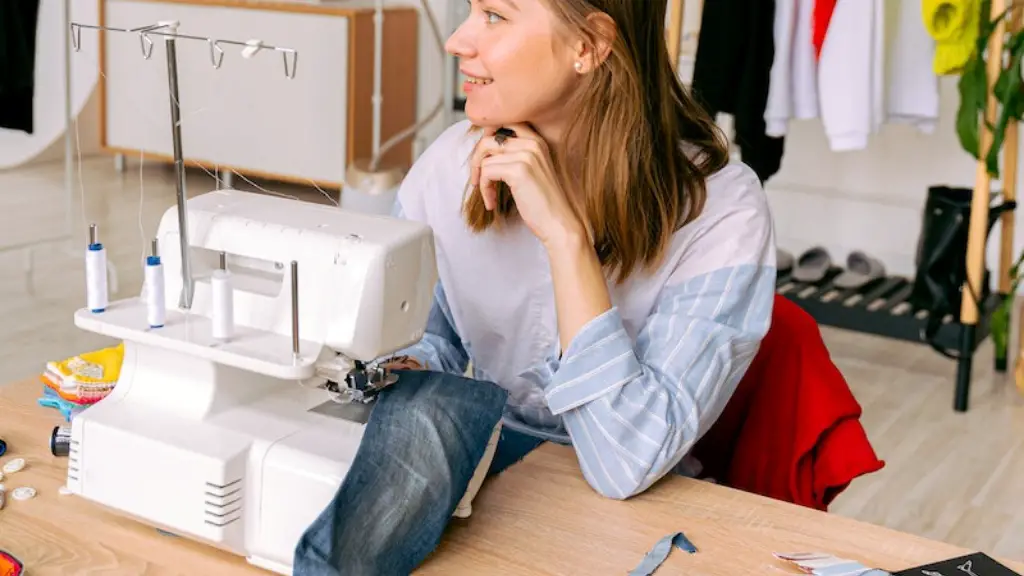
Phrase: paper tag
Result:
[822,564]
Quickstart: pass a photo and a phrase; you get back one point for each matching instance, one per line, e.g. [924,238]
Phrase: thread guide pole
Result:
[169,30]
[295,309]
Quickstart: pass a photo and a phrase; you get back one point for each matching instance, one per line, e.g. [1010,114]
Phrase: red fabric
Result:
[822,16]
[792,429]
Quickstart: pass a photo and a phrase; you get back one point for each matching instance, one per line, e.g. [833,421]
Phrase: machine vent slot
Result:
[74,459]
[222,503]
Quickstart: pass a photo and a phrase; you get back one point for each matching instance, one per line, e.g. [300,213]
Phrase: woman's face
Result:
[518,60]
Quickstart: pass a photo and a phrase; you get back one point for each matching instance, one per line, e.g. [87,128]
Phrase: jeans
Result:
[512,447]
[422,443]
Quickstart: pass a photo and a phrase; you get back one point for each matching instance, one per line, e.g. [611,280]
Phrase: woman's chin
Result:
[486,118]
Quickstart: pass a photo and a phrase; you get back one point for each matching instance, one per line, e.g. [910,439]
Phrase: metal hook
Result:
[76,37]
[216,53]
[289,71]
[147,45]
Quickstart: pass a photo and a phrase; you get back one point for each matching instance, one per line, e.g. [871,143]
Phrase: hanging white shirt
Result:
[855,95]
[913,92]
[850,74]
[792,88]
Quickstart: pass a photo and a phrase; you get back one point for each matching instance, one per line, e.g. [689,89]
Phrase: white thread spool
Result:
[223,301]
[96,294]
[156,305]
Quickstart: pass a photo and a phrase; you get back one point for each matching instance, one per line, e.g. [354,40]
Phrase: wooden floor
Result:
[952,477]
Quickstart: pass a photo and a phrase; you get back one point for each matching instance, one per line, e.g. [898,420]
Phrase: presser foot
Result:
[362,383]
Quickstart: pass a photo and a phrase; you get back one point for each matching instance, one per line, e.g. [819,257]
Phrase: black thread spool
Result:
[60,441]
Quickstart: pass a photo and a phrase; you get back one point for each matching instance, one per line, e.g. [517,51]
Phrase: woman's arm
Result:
[440,349]
[635,408]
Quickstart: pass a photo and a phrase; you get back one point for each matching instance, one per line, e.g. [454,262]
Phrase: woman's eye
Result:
[492,18]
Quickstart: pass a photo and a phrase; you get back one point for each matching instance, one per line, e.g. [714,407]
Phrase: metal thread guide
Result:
[295,311]
[169,30]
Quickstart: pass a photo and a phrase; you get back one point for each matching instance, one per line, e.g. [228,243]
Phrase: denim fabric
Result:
[512,447]
[423,441]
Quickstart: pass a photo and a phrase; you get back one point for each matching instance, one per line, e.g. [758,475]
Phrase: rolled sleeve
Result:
[599,359]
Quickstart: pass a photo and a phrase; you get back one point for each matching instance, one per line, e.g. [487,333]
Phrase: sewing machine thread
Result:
[223,301]
[96,273]
[156,304]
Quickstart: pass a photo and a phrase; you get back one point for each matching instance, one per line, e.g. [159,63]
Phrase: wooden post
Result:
[978,226]
[1008,221]
[675,30]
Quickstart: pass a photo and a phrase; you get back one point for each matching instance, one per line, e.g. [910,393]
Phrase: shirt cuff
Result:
[598,360]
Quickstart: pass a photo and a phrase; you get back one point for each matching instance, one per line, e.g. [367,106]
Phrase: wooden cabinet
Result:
[247,115]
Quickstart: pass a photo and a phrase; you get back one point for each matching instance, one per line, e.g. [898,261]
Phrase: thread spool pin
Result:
[223,301]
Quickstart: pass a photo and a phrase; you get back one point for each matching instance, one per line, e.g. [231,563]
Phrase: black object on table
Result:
[977,564]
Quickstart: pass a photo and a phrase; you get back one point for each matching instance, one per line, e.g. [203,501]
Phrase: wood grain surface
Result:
[538,518]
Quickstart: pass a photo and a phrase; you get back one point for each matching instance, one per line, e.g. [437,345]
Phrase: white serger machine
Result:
[241,442]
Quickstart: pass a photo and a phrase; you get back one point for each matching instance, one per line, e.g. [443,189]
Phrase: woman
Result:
[600,258]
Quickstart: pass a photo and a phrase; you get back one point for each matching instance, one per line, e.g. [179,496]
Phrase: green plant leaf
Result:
[972,104]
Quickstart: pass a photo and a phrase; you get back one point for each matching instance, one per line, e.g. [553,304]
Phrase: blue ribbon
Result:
[659,553]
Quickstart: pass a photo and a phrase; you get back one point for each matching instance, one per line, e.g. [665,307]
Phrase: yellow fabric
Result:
[954,26]
[108,359]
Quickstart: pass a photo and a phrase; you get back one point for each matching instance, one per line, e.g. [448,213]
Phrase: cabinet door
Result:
[247,114]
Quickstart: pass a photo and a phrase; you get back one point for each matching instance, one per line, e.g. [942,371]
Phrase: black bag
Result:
[942,257]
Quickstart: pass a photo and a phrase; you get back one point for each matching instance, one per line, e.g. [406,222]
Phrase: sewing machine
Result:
[241,443]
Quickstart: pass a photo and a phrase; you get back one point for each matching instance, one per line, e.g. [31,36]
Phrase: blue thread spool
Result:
[3,447]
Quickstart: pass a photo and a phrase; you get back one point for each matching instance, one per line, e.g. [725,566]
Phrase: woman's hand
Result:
[523,162]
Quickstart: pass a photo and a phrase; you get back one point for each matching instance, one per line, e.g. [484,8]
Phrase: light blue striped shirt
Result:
[639,384]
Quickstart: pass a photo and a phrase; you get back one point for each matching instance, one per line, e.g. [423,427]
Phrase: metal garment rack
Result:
[169,31]
[883,310]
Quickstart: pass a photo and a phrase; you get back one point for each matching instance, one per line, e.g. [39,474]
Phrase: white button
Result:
[14,465]
[24,493]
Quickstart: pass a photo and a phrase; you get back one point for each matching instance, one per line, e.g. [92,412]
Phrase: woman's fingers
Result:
[509,167]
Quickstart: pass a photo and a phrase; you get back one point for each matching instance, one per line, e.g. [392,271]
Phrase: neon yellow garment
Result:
[954,25]
[86,377]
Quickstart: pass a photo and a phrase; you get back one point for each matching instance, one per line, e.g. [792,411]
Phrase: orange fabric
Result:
[792,430]
[70,397]
[9,565]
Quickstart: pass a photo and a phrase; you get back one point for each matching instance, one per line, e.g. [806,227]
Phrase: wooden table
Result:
[540,517]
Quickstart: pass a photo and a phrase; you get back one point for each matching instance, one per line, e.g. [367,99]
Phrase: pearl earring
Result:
[578,66]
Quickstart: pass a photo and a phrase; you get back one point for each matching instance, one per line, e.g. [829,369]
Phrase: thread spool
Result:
[223,301]
[97,295]
[60,441]
[156,304]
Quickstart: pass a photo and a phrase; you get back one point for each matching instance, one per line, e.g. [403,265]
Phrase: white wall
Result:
[870,200]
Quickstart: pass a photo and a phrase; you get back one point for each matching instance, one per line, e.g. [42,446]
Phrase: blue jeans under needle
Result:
[422,443]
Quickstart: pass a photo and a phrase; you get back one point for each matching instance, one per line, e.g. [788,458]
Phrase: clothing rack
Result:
[882,307]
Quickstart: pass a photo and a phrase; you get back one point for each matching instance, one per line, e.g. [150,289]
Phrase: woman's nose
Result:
[459,43]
